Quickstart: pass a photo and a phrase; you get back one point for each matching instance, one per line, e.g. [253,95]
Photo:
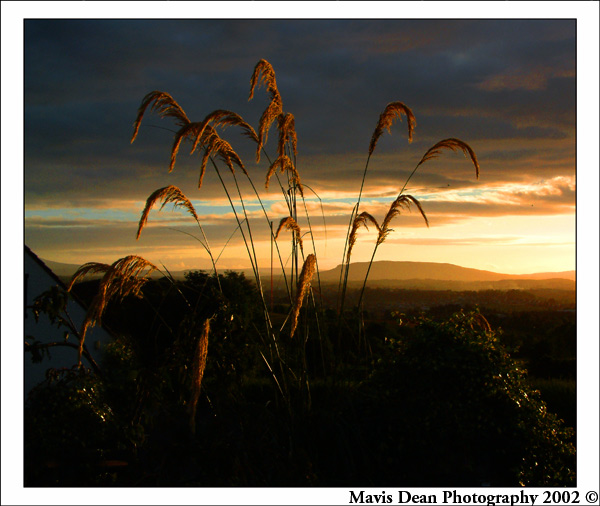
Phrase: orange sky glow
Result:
[513,103]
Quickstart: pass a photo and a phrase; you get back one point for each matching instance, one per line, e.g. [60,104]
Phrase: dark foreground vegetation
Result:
[415,399]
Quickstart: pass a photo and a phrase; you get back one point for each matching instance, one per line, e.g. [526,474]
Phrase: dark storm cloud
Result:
[480,80]
[433,70]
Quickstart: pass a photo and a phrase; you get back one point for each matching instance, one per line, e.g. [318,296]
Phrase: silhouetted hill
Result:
[444,284]
[391,271]
[60,269]
[413,275]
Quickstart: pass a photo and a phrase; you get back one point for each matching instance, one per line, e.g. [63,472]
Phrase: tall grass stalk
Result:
[312,237]
[384,230]
[406,201]
[172,194]
[248,249]
[273,242]
[392,111]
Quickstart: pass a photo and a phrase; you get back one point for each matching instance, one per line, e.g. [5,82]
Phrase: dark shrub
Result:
[448,406]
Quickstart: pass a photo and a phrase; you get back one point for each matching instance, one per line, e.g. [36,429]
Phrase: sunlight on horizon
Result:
[509,245]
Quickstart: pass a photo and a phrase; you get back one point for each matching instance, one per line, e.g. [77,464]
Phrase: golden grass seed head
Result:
[290,224]
[360,220]
[392,111]
[452,144]
[124,277]
[168,194]
[403,201]
[308,271]
[164,104]
[198,368]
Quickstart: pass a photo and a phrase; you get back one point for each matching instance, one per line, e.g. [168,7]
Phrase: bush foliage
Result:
[444,404]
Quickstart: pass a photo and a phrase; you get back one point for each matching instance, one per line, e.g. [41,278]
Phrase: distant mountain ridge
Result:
[61,269]
[388,271]
[401,271]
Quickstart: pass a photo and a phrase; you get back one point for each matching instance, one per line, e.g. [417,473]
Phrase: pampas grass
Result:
[284,163]
[89,268]
[168,194]
[360,220]
[124,277]
[198,367]
[386,119]
[392,111]
[403,201]
[264,75]
[272,112]
[164,105]
[200,133]
[223,118]
[287,133]
[208,138]
[290,224]
[453,145]
[204,132]
[308,270]
[172,194]
[223,150]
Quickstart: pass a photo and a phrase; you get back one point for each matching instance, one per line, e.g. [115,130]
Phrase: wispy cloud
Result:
[532,78]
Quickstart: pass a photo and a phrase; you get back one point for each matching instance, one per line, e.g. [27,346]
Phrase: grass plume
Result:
[283,162]
[223,118]
[223,150]
[124,277]
[206,136]
[264,75]
[290,224]
[435,151]
[172,194]
[168,194]
[454,145]
[198,368]
[164,104]
[272,112]
[403,201]
[308,270]
[360,220]
[87,269]
[287,133]
[386,119]
[203,132]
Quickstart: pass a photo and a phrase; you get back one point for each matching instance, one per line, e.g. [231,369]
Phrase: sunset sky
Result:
[523,93]
[506,87]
